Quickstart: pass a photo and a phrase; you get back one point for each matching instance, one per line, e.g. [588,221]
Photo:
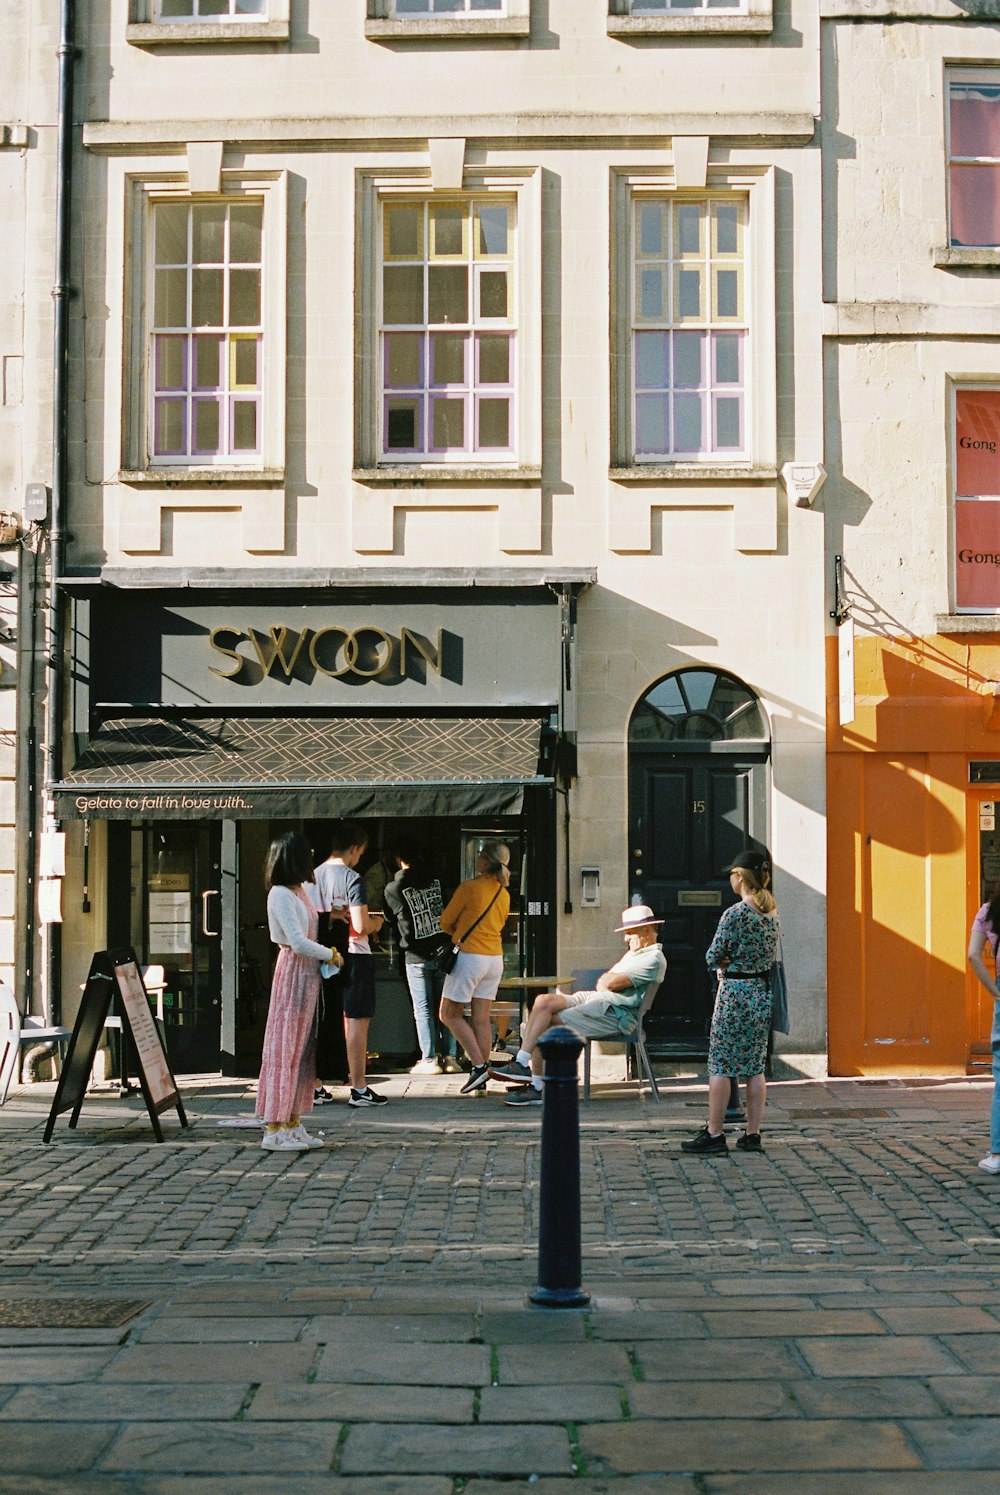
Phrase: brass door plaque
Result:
[693,899]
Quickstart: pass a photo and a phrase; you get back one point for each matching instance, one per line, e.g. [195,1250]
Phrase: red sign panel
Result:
[977,556]
[977,442]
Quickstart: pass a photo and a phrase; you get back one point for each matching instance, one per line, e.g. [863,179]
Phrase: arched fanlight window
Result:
[698,705]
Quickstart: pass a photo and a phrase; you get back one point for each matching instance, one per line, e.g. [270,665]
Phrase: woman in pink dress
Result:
[288,1061]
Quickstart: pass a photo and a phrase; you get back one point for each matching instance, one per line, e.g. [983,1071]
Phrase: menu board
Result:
[114,974]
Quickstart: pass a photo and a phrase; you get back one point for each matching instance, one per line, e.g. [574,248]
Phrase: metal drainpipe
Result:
[61,293]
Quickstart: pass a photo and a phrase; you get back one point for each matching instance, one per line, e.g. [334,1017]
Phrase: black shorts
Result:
[359,993]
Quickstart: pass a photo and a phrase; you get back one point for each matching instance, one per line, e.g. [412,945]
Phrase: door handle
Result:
[208,893]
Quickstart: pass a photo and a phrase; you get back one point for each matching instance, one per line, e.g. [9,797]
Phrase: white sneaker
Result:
[283,1140]
[426,1067]
[306,1137]
[990,1163]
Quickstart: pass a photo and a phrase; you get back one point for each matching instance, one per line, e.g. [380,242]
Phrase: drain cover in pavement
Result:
[69,1313]
[837,1113]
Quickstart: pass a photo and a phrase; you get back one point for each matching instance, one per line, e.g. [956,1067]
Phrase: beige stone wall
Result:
[28,67]
[725,572]
[900,322]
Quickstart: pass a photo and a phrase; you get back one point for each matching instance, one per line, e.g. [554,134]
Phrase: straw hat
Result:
[639,916]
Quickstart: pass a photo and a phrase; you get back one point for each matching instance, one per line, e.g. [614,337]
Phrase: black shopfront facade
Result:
[206,717]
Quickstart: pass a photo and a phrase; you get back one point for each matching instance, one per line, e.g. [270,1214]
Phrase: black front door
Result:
[690,815]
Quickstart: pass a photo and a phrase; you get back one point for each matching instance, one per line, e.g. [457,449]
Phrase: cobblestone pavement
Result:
[823,1319]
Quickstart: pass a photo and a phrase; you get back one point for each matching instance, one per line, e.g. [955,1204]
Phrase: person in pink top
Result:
[986,931]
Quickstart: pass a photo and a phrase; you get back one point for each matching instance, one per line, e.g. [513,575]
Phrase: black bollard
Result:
[559,1264]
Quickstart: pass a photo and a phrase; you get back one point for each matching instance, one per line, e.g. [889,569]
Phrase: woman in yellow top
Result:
[482,901]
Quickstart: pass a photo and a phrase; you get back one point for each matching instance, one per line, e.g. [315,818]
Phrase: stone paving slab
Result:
[354,1403]
[958,1442]
[530,1365]
[50,1448]
[552,1403]
[913,1355]
[203,1330]
[385,1329]
[663,1399]
[17,1366]
[406,1364]
[652,1325]
[662,1485]
[776,1324]
[886,1396]
[717,1359]
[459,1451]
[88,1402]
[386,1484]
[913,1482]
[222,1448]
[521,1325]
[736,1444]
[74,1484]
[198,1362]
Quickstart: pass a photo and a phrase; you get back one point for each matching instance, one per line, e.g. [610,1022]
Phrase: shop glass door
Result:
[177,924]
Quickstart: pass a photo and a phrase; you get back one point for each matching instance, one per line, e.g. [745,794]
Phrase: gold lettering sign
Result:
[365,653]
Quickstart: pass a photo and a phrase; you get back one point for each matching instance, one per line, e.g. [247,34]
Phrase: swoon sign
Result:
[367,653]
[282,653]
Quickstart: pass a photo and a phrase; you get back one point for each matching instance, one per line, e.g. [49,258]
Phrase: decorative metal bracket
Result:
[841,609]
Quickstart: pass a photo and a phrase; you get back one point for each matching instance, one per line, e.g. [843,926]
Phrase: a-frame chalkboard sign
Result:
[115,973]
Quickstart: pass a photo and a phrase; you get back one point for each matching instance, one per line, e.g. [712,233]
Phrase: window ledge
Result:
[690,25]
[418,474]
[688,472]
[953,256]
[489,28]
[158,33]
[967,623]
[201,477]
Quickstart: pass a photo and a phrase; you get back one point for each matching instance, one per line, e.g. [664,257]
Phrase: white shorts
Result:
[474,979]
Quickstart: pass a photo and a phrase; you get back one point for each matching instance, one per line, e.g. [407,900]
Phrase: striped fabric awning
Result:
[256,767]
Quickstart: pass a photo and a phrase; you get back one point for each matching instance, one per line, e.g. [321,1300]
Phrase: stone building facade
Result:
[911,144]
[447,380]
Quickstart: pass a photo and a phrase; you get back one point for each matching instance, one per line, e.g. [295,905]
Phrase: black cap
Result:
[756,862]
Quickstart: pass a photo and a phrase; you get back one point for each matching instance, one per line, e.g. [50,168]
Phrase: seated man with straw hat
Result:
[614,1010]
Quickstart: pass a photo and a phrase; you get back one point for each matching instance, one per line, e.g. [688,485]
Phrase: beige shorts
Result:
[591,1014]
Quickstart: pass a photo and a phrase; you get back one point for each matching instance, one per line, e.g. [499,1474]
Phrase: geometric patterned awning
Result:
[256,766]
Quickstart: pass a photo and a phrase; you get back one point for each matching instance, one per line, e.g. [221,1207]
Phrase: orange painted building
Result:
[913,791]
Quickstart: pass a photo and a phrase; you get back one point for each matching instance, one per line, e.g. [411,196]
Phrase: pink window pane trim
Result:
[977,442]
[975,125]
[975,205]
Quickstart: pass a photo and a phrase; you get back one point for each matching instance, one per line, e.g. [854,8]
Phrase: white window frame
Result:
[138,462]
[383,22]
[757,189]
[377,188]
[630,18]
[146,29]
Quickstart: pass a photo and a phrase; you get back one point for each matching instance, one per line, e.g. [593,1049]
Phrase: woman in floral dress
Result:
[743,952]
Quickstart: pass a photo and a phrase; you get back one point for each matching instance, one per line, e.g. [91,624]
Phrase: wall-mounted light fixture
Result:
[590,887]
